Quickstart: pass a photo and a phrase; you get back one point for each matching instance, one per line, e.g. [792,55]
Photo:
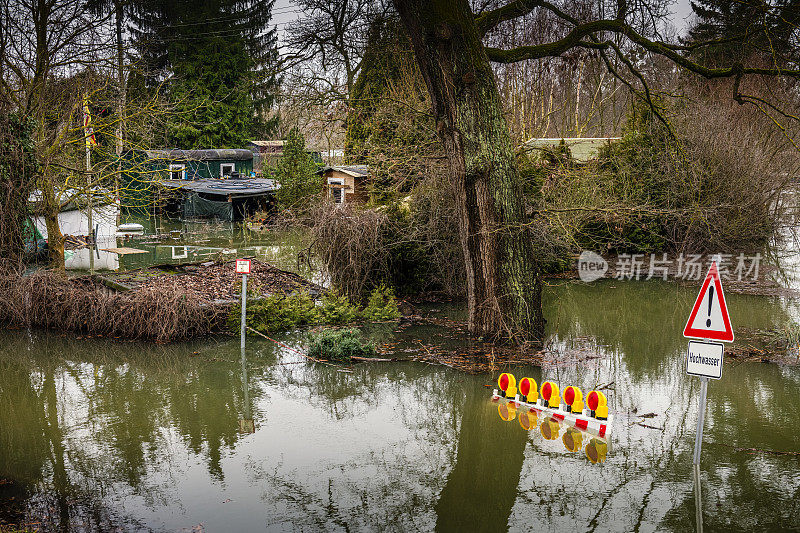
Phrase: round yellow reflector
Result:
[505,381]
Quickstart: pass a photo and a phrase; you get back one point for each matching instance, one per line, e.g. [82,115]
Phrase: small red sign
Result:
[709,317]
[242,266]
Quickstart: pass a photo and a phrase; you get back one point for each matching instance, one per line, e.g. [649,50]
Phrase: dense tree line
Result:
[146,74]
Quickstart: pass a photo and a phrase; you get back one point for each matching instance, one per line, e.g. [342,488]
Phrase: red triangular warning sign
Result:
[709,317]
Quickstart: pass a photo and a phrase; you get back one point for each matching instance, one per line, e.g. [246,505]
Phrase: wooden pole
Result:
[89,205]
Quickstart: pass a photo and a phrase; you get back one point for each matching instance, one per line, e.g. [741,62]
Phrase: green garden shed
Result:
[201,164]
[145,171]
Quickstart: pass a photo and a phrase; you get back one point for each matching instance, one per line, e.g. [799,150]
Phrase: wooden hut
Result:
[347,183]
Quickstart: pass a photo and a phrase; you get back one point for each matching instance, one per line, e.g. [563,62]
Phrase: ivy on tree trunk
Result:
[503,284]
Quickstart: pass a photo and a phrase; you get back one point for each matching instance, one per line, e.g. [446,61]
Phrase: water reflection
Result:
[246,423]
[698,498]
[178,242]
[573,439]
[160,436]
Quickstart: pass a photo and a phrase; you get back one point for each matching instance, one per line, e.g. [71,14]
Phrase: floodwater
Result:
[98,435]
[174,242]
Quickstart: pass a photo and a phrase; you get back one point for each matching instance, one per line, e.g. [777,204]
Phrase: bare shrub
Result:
[352,246]
[411,245]
[50,300]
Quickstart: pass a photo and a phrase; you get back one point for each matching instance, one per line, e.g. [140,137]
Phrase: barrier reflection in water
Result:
[572,437]
[507,411]
[550,429]
[528,419]
[596,450]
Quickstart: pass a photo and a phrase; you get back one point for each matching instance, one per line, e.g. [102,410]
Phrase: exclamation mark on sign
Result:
[710,302]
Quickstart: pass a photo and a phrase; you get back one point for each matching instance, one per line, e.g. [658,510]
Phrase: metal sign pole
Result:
[698,442]
[244,308]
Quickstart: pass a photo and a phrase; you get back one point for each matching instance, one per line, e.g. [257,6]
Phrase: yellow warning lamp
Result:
[507,411]
[550,429]
[596,450]
[573,397]
[551,395]
[573,439]
[507,384]
[528,419]
[529,390]
[597,404]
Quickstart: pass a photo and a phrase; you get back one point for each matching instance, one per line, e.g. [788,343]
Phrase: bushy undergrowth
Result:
[410,244]
[340,345]
[336,309]
[276,313]
[698,191]
[381,305]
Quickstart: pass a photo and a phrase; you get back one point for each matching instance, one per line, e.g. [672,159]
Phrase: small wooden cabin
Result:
[147,172]
[347,183]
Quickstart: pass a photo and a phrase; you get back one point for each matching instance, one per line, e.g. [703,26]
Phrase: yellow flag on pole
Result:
[88,131]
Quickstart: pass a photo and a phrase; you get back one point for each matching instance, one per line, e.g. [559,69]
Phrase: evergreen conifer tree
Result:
[744,28]
[218,59]
[296,172]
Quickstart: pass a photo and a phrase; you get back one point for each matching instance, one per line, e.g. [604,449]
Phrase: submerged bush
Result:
[340,345]
[381,305]
[336,309]
[275,313]
[51,300]
[284,312]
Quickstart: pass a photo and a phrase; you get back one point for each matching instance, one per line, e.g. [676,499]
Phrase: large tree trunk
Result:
[55,239]
[121,97]
[503,285]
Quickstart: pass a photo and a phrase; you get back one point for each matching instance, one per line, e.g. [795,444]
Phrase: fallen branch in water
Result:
[762,450]
[298,352]
[649,427]
[372,359]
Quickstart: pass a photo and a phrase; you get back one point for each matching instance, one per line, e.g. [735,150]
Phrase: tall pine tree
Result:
[217,59]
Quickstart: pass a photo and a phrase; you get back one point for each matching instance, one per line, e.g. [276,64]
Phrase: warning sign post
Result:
[709,321]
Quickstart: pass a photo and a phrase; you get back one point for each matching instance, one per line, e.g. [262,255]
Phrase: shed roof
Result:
[582,148]
[267,143]
[226,187]
[175,154]
[357,171]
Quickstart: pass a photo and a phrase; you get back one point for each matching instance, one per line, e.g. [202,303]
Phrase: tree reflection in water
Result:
[96,432]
